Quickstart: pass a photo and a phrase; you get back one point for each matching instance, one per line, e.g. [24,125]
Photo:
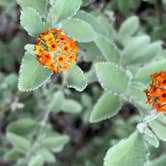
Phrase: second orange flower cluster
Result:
[156,94]
[55,51]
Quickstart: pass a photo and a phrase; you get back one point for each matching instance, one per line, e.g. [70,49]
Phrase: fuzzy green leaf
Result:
[79,30]
[143,55]
[63,9]
[112,77]
[22,127]
[36,160]
[55,143]
[129,26]
[40,6]
[71,106]
[91,52]
[159,126]
[13,155]
[18,141]
[108,49]
[74,78]
[89,18]
[128,152]
[148,135]
[143,74]
[47,156]
[106,107]
[31,21]
[32,75]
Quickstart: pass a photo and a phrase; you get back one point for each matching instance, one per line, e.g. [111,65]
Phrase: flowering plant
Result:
[91,76]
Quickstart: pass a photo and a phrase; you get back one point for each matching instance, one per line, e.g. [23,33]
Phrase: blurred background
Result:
[88,142]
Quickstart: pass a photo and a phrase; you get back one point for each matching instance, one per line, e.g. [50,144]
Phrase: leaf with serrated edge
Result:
[158,127]
[31,21]
[112,77]
[79,30]
[40,6]
[108,49]
[63,9]
[74,78]
[106,107]
[32,75]
[128,152]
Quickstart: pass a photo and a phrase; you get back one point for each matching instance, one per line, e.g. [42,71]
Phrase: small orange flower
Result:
[53,46]
[72,58]
[49,38]
[38,49]
[156,94]
[62,38]
[66,49]
[55,51]
[60,59]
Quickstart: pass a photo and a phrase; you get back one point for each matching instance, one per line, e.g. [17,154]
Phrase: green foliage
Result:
[31,21]
[108,49]
[40,6]
[71,106]
[18,141]
[72,28]
[36,161]
[125,29]
[74,78]
[131,151]
[22,127]
[30,71]
[56,143]
[120,44]
[158,126]
[108,75]
[107,106]
[62,9]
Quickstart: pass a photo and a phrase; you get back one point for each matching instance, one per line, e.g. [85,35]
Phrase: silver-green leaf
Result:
[79,30]
[112,77]
[106,107]
[36,160]
[129,26]
[63,9]
[40,6]
[128,152]
[18,141]
[55,143]
[108,49]
[32,75]
[75,78]
[31,21]
[71,106]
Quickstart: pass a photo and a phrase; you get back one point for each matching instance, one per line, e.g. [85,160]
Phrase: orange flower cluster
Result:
[55,51]
[156,94]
